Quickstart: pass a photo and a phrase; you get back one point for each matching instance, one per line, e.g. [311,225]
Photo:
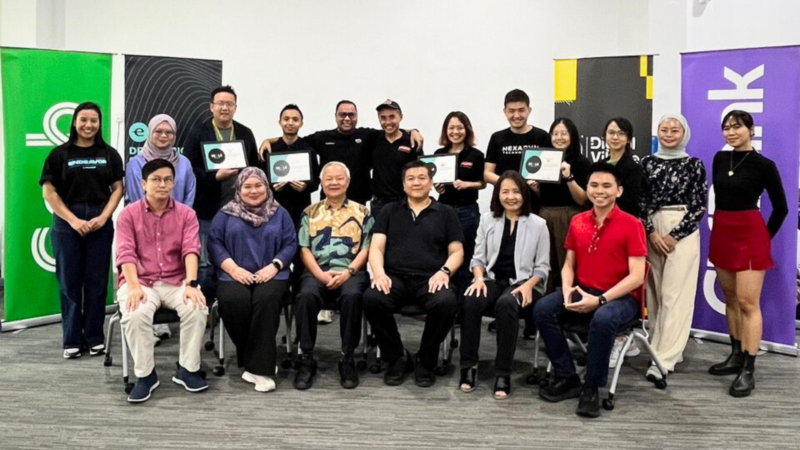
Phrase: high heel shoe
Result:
[469,376]
[502,387]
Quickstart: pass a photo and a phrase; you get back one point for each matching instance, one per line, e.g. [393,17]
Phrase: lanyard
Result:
[219,135]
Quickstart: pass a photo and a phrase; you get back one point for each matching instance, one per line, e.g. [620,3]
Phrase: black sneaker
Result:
[423,377]
[143,388]
[561,389]
[305,375]
[348,372]
[398,369]
[589,404]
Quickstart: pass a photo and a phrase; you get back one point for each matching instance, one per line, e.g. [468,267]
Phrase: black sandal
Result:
[468,377]
[502,384]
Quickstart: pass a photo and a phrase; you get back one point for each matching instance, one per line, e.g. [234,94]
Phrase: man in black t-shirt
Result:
[392,151]
[416,245]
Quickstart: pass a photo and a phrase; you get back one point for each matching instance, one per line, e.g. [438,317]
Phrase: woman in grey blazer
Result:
[510,266]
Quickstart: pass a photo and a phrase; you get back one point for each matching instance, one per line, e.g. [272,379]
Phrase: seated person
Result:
[251,243]
[605,263]
[416,245]
[157,256]
[515,246]
[334,240]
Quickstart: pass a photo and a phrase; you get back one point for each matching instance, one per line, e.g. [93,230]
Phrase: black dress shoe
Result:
[347,372]
[561,389]
[423,377]
[744,384]
[398,369]
[305,374]
[733,363]
[589,404]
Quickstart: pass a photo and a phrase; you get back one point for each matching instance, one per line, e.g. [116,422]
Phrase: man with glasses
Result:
[605,263]
[215,189]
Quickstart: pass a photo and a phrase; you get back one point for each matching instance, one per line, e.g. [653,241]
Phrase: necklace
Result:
[730,172]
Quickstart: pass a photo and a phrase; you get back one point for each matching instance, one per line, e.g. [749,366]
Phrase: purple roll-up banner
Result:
[766,83]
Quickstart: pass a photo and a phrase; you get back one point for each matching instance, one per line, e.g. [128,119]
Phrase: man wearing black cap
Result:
[390,153]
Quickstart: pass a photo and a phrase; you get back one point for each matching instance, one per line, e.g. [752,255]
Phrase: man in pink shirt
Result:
[157,257]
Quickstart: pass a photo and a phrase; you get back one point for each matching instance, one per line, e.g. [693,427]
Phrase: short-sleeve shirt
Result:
[602,252]
[335,236]
[82,174]
[388,159]
[471,163]
[417,245]
[506,147]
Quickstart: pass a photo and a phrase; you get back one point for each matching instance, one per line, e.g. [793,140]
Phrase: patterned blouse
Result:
[335,236]
[671,182]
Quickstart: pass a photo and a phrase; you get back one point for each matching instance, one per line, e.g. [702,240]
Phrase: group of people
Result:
[549,253]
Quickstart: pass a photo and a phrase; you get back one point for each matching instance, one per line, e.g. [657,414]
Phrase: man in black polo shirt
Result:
[392,151]
[215,189]
[416,245]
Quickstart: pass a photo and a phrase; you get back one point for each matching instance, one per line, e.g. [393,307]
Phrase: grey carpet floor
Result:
[49,402]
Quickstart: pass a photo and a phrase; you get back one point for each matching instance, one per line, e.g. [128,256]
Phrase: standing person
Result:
[561,202]
[252,242]
[674,195]
[157,258]
[619,133]
[416,246]
[391,152]
[82,181]
[458,138]
[740,242]
[215,189]
[606,250]
[161,145]
[511,268]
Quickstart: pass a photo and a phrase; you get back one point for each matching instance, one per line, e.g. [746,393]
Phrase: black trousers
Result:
[252,315]
[311,297]
[505,308]
[440,308]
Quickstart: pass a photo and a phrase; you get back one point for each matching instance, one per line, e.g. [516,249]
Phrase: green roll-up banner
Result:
[41,89]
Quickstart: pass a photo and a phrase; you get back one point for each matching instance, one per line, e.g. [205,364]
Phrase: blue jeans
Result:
[603,325]
[469,216]
[82,268]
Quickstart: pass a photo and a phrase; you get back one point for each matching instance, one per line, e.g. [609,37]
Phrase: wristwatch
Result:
[446,270]
[602,299]
[191,283]
[277,265]
[352,271]
[570,178]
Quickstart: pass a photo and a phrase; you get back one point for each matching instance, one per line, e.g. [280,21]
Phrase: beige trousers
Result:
[138,326]
[671,289]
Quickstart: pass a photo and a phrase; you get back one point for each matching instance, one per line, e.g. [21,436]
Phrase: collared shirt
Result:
[335,236]
[602,251]
[183,191]
[157,245]
[388,159]
[417,244]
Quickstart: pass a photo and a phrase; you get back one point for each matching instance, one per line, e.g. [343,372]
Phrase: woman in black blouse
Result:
[458,138]
[740,242]
[619,133]
[560,202]
[82,182]
[674,195]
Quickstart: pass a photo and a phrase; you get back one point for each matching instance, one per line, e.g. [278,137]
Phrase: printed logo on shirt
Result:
[466,164]
[404,149]
[516,149]
[330,143]
[358,141]
[86,163]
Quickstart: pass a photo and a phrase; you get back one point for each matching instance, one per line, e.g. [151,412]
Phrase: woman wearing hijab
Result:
[673,201]
[252,242]
[160,144]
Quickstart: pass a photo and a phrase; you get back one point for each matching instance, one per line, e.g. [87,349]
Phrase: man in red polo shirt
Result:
[605,263]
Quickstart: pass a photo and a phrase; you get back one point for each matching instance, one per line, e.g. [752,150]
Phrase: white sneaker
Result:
[72,353]
[619,342]
[653,373]
[263,384]
[325,316]
[162,331]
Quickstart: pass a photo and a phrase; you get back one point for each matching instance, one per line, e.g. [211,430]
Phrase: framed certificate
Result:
[542,165]
[444,168]
[289,166]
[224,155]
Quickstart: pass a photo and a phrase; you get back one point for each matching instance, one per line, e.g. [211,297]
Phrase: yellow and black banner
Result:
[592,90]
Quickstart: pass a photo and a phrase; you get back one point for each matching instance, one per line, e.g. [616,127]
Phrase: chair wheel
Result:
[533,377]
[128,388]
[454,343]
[202,374]
[581,360]
[377,367]
[209,346]
[361,365]
[107,361]
[286,363]
[608,404]
[219,371]
[661,384]
[441,371]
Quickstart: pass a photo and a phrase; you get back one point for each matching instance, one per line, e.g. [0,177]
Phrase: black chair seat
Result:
[166,315]
[411,310]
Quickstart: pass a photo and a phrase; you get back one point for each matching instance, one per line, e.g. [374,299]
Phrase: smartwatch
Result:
[602,299]
[352,271]
[446,270]
[191,283]
[277,265]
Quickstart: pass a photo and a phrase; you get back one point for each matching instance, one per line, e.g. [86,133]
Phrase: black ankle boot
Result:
[733,364]
[744,384]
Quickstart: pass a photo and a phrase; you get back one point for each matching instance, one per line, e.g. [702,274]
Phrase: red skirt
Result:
[740,241]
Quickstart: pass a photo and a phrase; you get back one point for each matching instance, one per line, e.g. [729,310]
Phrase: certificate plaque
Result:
[224,155]
[444,168]
[542,165]
[289,166]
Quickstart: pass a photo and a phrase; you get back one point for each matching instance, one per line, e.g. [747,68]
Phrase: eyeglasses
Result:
[343,116]
[158,180]
[229,105]
[619,133]
[167,133]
